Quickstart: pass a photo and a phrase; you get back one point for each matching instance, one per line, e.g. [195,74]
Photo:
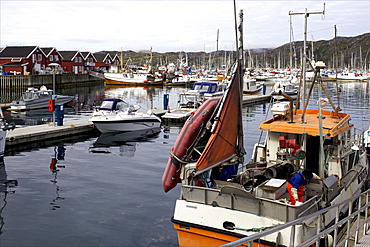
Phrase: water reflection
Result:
[59,154]
[126,141]
[6,186]
[31,117]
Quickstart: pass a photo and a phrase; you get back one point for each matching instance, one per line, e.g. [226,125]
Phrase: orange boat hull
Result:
[196,237]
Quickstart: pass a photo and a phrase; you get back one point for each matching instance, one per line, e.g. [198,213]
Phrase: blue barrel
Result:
[165,101]
[59,114]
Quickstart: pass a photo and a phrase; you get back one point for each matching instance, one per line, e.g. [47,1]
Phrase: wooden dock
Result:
[251,99]
[43,132]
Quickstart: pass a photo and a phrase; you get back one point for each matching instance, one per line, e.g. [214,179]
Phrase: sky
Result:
[172,26]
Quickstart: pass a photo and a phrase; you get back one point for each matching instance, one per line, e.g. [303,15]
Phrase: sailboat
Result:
[222,199]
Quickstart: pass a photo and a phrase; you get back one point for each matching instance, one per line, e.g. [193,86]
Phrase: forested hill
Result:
[353,53]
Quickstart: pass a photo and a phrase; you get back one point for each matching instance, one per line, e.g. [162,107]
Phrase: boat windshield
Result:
[123,106]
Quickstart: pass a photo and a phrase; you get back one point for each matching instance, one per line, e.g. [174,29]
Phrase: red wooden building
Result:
[23,60]
[103,61]
[73,62]
[90,60]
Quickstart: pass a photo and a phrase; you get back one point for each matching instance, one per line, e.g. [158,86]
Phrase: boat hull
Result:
[19,105]
[134,79]
[2,143]
[127,124]
[257,90]
[198,225]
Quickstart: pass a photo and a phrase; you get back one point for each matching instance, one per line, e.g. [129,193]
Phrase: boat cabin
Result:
[207,89]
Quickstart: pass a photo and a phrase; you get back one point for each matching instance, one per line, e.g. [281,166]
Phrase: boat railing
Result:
[352,226]
[237,198]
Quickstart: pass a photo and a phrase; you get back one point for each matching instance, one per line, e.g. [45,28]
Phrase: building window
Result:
[51,58]
[39,57]
[33,58]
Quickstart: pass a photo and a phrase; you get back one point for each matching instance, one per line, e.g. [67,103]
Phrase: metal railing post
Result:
[358,219]
[336,228]
[292,234]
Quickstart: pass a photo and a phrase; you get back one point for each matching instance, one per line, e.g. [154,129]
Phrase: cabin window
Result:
[33,58]
[51,58]
[39,57]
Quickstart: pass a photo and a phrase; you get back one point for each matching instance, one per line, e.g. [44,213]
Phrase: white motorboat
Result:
[186,105]
[189,101]
[250,86]
[117,115]
[34,98]
[284,87]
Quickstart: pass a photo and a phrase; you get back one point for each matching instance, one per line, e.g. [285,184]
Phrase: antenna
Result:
[304,64]
[217,38]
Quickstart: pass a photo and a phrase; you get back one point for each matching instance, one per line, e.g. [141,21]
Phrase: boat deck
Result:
[364,241]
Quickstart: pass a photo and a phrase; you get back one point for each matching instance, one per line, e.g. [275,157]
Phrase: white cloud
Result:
[171,25]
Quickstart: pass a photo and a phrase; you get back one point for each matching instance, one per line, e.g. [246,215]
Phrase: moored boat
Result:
[117,115]
[4,127]
[251,87]
[34,98]
[132,78]
[284,87]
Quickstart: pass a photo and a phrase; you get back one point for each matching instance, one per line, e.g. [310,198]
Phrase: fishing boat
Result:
[34,98]
[223,199]
[4,127]
[137,78]
[142,76]
[116,115]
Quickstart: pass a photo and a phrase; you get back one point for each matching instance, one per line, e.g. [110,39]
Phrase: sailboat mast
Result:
[241,150]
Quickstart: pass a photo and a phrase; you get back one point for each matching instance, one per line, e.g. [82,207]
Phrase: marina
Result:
[58,195]
[182,137]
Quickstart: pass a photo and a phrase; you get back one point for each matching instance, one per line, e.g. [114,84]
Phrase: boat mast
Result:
[304,63]
[240,54]
[121,62]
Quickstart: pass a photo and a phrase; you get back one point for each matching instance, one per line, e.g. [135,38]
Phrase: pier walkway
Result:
[258,98]
[47,131]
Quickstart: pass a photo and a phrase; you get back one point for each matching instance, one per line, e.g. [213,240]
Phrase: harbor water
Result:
[105,190]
